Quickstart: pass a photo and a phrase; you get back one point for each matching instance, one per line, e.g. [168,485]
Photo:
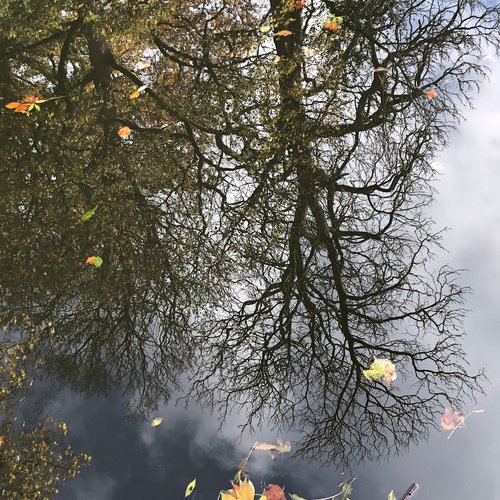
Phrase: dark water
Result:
[183,245]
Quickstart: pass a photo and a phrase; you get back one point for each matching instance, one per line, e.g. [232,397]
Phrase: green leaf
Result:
[97,262]
[190,487]
[293,496]
[391,496]
[376,372]
[87,215]
[37,107]
[31,107]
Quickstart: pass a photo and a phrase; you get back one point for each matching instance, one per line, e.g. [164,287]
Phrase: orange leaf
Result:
[431,94]
[33,98]
[13,105]
[134,95]
[274,492]
[299,4]
[331,25]
[22,108]
[284,33]
[124,131]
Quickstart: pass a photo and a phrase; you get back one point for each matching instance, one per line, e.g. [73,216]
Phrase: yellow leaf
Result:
[243,491]
[190,487]
[134,95]
[143,65]
[156,421]
[265,29]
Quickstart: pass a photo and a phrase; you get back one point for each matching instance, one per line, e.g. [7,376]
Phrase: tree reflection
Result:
[264,227]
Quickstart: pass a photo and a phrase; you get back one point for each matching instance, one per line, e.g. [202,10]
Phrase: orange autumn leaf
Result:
[274,492]
[331,25]
[124,131]
[431,94]
[91,260]
[451,419]
[284,33]
[134,95]
[13,105]
[33,98]
[22,108]
[299,4]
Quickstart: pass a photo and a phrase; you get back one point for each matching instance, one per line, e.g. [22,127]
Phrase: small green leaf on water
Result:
[391,496]
[190,487]
[87,215]
[95,260]
[156,421]
[293,496]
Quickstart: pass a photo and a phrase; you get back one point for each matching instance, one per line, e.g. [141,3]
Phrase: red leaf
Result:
[274,492]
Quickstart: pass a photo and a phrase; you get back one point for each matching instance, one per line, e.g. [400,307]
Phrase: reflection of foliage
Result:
[261,218]
[33,460]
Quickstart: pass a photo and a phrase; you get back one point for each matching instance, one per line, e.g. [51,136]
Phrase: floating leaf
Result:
[87,215]
[381,368]
[190,487]
[156,421]
[299,4]
[134,95]
[276,59]
[379,69]
[274,492]
[293,496]
[280,446]
[13,105]
[124,131]
[265,29]
[451,419]
[284,33]
[391,496]
[142,88]
[95,260]
[431,94]
[244,491]
[308,52]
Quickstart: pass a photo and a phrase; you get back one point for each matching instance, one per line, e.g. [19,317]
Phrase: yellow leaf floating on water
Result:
[265,29]
[190,487]
[391,496]
[381,368]
[156,421]
[243,491]
[284,33]
[134,95]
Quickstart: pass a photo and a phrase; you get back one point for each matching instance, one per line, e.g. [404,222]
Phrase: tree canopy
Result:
[260,173]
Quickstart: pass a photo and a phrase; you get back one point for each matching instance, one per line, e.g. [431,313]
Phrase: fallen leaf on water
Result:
[190,487]
[431,94]
[124,131]
[95,260]
[156,421]
[284,33]
[12,105]
[308,52]
[379,69]
[451,419]
[391,496]
[274,492]
[299,4]
[381,368]
[280,446]
[2,440]
[243,491]
[265,29]
[134,95]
